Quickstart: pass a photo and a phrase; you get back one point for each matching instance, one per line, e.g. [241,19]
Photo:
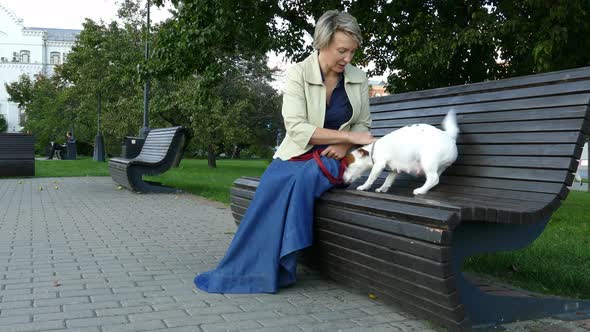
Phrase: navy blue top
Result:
[338,109]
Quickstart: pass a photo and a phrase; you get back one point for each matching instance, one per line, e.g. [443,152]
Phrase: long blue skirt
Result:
[279,221]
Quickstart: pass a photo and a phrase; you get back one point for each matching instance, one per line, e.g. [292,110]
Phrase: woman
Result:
[325,106]
[58,147]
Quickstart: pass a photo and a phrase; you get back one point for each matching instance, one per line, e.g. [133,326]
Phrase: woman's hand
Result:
[360,137]
[336,151]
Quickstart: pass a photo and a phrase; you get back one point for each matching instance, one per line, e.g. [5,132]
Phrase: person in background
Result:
[59,147]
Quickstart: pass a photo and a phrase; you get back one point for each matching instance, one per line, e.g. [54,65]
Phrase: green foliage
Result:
[544,35]
[422,44]
[102,65]
[239,109]
[202,33]
[47,106]
[3,124]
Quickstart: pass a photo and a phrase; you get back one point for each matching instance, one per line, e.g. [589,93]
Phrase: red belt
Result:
[315,154]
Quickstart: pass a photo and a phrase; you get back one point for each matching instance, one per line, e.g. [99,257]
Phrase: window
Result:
[65,57]
[25,56]
[54,58]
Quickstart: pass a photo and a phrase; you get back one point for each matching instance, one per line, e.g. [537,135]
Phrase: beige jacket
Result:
[304,104]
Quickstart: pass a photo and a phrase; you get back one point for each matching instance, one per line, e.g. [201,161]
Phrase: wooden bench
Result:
[518,148]
[17,154]
[162,149]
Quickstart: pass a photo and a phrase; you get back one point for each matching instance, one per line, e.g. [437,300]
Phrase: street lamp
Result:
[143,132]
[98,154]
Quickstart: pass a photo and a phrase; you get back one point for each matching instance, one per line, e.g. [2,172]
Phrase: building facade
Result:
[377,88]
[28,51]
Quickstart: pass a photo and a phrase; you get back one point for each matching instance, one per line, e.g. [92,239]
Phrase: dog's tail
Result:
[449,124]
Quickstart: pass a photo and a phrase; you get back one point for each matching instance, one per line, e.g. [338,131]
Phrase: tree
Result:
[103,65]
[240,109]
[543,35]
[203,45]
[3,124]
[422,44]
[46,106]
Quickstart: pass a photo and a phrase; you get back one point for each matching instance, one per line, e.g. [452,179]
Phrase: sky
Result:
[69,14]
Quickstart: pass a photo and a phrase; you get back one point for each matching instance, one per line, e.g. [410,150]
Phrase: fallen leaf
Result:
[372,296]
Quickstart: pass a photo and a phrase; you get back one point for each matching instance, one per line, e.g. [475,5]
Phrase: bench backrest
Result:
[17,146]
[519,137]
[158,144]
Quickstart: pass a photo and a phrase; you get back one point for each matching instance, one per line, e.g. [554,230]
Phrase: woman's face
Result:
[338,53]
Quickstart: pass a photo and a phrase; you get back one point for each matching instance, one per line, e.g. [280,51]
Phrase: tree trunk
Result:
[211,162]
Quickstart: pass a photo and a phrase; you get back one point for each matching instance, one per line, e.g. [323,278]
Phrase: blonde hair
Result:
[332,21]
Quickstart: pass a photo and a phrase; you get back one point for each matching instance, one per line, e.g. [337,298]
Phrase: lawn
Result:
[557,263]
[193,175]
[84,166]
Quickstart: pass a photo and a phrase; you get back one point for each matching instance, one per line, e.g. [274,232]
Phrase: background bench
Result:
[519,144]
[162,149]
[17,154]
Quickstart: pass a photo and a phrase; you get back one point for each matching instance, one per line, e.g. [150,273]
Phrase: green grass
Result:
[193,175]
[196,177]
[557,263]
[84,166]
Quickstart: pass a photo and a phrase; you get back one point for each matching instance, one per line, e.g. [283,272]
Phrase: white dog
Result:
[416,149]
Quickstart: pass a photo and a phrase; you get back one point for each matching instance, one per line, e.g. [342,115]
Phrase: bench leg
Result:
[139,184]
[484,309]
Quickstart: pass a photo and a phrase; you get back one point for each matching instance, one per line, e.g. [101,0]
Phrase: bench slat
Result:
[556,150]
[574,88]
[386,268]
[392,111]
[519,162]
[392,226]
[573,112]
[575,137]
[544,175]
[420,248]
[512,127]
[359,276]
[550,78]
[406,260]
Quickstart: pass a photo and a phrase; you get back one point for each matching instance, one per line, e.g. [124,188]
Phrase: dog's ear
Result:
[363,152]
[349,158]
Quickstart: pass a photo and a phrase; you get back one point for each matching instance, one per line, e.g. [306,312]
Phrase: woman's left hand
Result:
[336,151]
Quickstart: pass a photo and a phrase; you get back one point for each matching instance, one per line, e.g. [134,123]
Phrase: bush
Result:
[3,124]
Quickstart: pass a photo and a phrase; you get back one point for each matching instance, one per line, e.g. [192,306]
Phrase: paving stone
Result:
[128,262]
[99,321]
[37,326]
[193,320]
[233,326]
[135,326]
[63,315]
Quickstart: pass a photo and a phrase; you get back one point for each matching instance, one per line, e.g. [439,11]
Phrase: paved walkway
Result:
[79,255]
